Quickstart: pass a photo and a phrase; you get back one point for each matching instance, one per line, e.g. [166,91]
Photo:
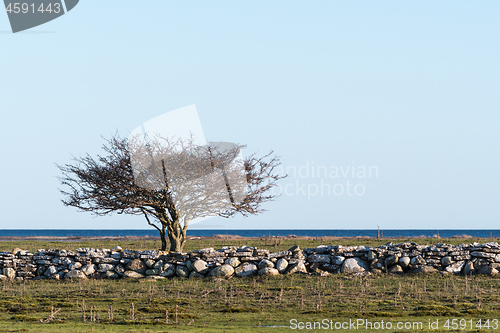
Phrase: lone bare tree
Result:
[170,182]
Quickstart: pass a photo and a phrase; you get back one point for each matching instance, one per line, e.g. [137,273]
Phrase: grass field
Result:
[245,304]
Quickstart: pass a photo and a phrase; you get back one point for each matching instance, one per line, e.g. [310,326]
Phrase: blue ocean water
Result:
[253,232]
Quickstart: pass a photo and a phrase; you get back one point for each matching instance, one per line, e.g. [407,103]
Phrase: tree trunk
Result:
[163,238]
[177,237]
[176,243]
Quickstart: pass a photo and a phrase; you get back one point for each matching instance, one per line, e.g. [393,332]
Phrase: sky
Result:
[404,93]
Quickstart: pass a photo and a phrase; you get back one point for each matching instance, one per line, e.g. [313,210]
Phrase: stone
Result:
[338,260]
[3,277]
[150,263]
[200,266]
[354,265]
[246,269]
[391,260]
[182,271]
[404,262]
[446,261]
[10,273]
[268,271]
[16,250]
[378,264]
[119,269]
[281,265]
[152,271]
[468,268]
[88,269]
[112,275]
[265,263]
[51,270]
[294,248]
[487,270]
[418,260]
[223,271]
[136,265]
[106,267]
[195,274]
[455,268]
[372,255]
[297,268]
[117,249]
[167,270]
[116,255]
[75,265]
[395,269]
[425,270]
[319,258]
[133,275]
[233,261]
[75,274]
[159,264]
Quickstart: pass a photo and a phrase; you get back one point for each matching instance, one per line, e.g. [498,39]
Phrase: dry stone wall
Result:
[249,261]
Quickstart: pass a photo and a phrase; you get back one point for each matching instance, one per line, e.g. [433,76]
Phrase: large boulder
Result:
[106,267]
[247,269]
[200,266]
[133,275]
[75,274]
[112,275]
[319,258]
[268,271]
[150,263]
[182,271]
[136,265]
[338,260]
[487,270]
[281,265]
[265,263]
[418,260]
[88,269]
[425,270]
[391,260]
[223,271]
[233,261]
[167,270]
[297,268]
[195,274]
[16,250]
[354,265]
[51,270]
[446,261]
[75,265]
[404,262]
[469,268]
[455,268]
[152,271]
[395,269]
[10,273]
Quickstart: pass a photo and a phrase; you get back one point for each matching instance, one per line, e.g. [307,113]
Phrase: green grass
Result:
[270,243]
[241,304]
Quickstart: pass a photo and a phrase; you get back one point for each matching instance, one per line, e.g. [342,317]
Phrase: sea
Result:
[445,233]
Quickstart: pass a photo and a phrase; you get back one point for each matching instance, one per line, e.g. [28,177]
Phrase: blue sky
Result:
[410,88]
